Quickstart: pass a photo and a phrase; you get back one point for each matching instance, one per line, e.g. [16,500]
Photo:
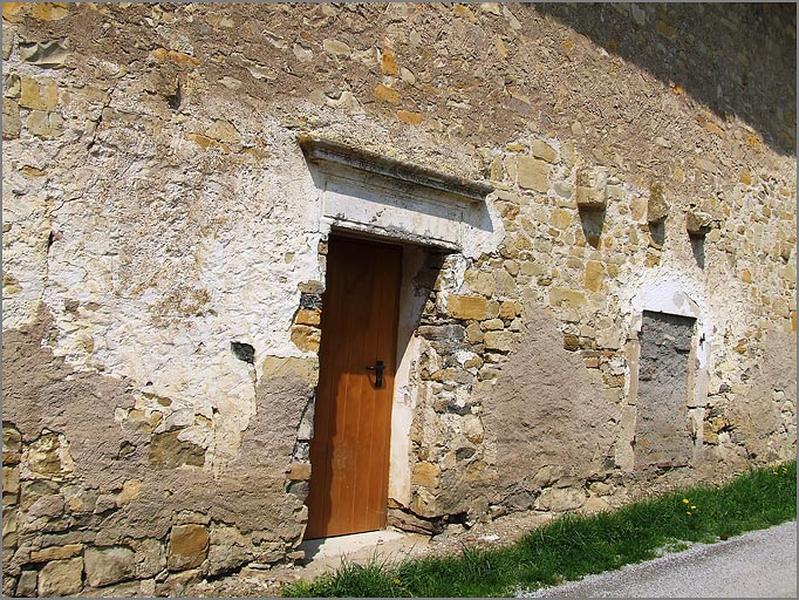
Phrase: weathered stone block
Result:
[474,334]
[566,298]
[508,309]
[10,481]
[46,457]
[130,491]
[26,586]
[299,471]
[167,451]
[591,191]
[223,131]
[473,429]
[595,504]
[407,521]
[699,223]
[387,94]
[498,340]
[52,53]
[709,435]
[532,173]
[544,151]
[561,218]
[336,47]
[49,11]
[207,143]
[56,553]
[188,547]
[492,324]
[229,549]
[44,124]
[9,528]
[12,87]
[561,499]
[104,503]
[37,95]
[61,577]
[108,565]
[308,316]
[480,282]
[11,121]
[51,506]
[149,557]
[12,445]
[425,474]
[305,369]
[467,307]
[410,117]
[175,584]
[306,338]
[657,207]
[571,342]
[594,275]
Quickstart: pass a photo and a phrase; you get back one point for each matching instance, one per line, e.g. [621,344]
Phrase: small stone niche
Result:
[591,196]
[698,224]
[657,209]
[591,190]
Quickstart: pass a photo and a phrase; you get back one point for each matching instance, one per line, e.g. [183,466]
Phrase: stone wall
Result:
[164,259]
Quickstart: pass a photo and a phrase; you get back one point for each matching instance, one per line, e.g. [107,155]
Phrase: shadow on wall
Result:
[738,59]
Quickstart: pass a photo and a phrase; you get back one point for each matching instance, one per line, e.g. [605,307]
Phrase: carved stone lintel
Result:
[319,151]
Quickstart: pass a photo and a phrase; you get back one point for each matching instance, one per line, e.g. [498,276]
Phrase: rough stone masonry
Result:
[164,260]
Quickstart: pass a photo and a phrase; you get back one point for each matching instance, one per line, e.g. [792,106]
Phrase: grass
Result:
[573,546]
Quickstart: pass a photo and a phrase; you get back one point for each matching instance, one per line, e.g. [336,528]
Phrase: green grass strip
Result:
[573,546]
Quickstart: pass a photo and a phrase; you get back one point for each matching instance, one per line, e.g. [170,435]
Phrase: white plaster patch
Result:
[165,273]
[669,291]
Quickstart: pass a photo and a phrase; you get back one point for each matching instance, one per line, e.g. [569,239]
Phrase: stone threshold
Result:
[386,544]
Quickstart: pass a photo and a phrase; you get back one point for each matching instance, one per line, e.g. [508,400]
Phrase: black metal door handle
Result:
[378,368]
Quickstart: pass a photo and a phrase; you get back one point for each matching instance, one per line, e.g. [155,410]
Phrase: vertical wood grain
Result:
[352,423]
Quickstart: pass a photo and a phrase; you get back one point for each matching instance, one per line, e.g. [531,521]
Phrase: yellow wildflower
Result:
[685,500]
[693,507]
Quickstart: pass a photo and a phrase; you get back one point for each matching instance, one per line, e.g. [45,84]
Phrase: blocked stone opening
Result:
[663,433]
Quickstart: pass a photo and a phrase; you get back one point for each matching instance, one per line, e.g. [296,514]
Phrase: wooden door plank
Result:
[387,339]
[370,397]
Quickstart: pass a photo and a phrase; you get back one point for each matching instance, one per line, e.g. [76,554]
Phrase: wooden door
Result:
[352,421]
